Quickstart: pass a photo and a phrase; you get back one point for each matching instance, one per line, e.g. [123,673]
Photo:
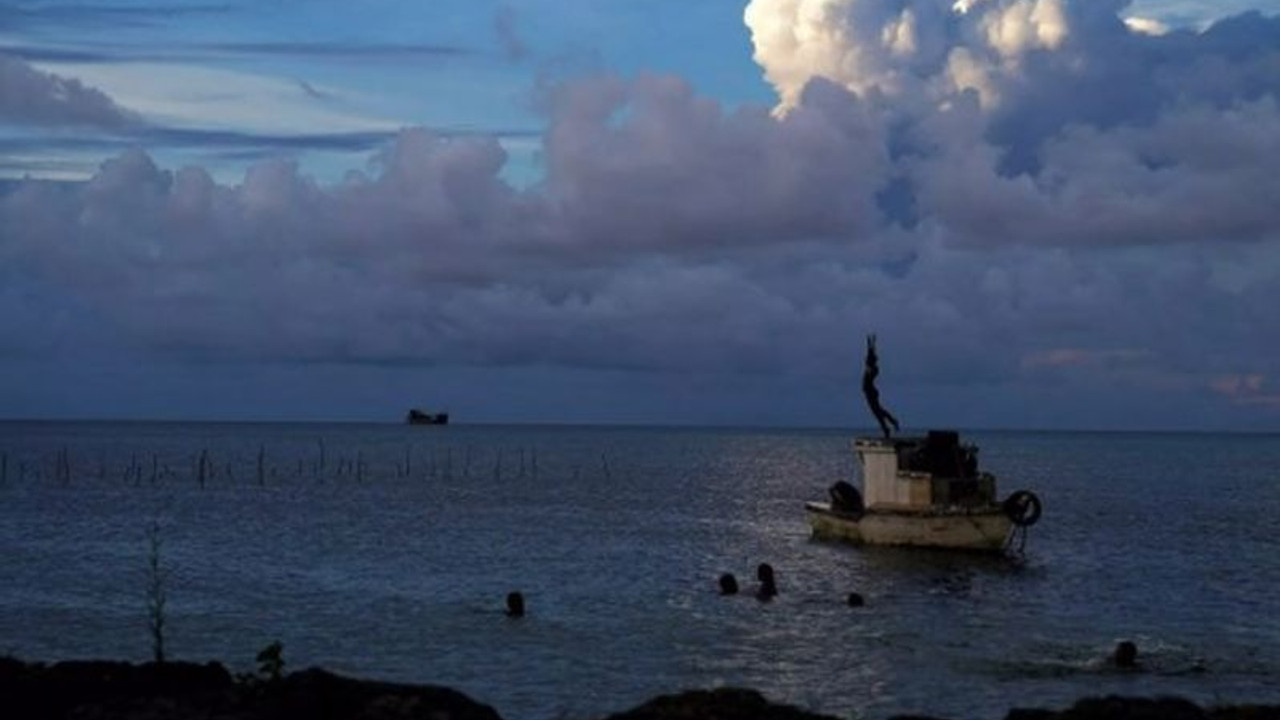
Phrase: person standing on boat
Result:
[869,374]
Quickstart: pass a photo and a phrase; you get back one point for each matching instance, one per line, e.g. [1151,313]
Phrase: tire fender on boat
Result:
[1023,508]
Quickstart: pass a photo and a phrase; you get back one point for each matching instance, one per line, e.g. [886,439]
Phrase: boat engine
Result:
[846,499]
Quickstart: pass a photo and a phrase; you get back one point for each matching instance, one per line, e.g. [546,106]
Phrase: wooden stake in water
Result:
[262,461]
[64,466]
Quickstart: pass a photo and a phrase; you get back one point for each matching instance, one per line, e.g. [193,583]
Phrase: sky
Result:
[1054,214]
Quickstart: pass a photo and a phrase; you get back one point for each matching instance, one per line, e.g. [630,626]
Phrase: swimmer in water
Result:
[768,588]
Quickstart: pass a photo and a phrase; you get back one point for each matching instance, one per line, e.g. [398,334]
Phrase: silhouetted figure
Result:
[1126,655]
[768,588]
[869,374]
[728,584]
[515,605]
[855,600]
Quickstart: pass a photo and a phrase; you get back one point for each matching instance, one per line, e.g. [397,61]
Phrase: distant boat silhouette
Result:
[418,417]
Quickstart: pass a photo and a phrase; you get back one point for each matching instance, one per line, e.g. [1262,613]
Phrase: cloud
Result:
[1148,26]
[112,53]
[1195,14]
[507,32]
[331,50]
[1078,357]
[31,97]
[1088,213]
[681,173]
[101,15]
[1195,174]
[204,98]
[1246,390]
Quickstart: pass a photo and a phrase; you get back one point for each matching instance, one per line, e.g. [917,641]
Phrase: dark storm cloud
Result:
[1088,248]
[1114,77]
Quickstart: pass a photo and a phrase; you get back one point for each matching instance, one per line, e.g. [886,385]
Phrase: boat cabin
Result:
[922,472]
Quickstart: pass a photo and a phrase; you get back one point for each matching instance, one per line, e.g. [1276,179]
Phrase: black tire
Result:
[1023,508]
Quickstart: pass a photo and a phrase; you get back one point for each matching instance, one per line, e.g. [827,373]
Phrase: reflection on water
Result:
[389,551]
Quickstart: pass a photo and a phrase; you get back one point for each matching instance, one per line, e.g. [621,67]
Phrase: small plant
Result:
[271,661]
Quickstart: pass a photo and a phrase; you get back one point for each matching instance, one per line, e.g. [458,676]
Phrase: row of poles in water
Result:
[521,463]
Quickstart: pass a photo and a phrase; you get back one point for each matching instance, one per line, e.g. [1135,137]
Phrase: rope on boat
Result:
[1015,546]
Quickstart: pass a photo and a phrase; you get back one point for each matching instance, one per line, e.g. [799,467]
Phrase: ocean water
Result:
[387,551]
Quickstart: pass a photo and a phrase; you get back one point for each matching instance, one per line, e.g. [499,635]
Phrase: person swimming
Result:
[1125,656]
[728,584]
[768,589]
[515,605]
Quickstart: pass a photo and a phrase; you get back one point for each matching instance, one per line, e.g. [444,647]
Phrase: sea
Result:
[387,551]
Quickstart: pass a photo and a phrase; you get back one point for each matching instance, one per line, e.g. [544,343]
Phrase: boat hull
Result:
[417,417]
[983,529]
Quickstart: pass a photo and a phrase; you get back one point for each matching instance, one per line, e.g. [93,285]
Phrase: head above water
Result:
[768,588]
[515,605]
[764,572]
[728,584]
[1125,655]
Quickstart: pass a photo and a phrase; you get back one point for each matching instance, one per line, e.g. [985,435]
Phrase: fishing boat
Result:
[922,491]
[419,417]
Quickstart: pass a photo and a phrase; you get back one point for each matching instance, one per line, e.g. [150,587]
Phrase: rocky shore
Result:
[98,690]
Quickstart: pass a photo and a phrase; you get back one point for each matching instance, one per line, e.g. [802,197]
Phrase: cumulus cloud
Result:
[1149,26]
[29,96]
[1082,204]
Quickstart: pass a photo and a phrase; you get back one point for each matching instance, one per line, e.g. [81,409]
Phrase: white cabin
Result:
[921,472]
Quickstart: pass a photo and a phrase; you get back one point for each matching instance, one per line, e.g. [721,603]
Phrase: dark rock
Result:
[722,704]
[1247,712]
[321,695]
[186,691]
[1119,708]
